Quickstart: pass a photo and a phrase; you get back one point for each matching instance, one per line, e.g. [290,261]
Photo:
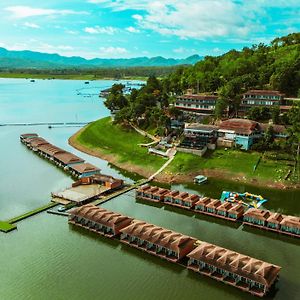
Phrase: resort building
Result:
[170,197]
[265,98]
[244,272]
[99,220]
[265,219]
[236,211]
[161,242]
[151,193]
[48,151]
[25,136]
[34,143]
[202,203]
[84,170]
[279,131]
[238,132]
[213,205]
[106,180]
[256,216]
[197,136]
[201,104]
[66,159]
[241,271]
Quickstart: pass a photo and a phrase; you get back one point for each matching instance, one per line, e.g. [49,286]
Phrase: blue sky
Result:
[121,28]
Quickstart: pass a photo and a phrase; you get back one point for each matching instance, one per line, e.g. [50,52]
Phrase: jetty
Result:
[240,271]
[9,225]
[234,212]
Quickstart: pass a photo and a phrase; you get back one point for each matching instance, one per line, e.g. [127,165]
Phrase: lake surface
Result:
[48,259]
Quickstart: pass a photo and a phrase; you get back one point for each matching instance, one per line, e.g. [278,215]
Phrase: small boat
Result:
[32,80]
[86,82]
[200,179]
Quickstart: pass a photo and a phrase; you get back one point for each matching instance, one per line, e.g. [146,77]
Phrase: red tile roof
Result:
[237,263]
[239,126]
[264,92]
[84,168]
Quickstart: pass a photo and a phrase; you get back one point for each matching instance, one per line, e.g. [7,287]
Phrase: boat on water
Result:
[200,179]
[86,82]
[32,80]
[247,199]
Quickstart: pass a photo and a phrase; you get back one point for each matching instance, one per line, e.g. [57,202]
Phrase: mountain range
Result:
[36,60]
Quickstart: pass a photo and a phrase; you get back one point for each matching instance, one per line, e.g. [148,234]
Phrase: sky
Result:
[134,28]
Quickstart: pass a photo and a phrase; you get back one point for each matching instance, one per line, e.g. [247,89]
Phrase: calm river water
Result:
[47,259]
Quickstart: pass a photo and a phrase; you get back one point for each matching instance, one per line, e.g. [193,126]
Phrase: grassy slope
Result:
[232,161]
[108,139]
[123,143]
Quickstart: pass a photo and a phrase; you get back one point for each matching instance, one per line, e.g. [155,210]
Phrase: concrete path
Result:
[162,168]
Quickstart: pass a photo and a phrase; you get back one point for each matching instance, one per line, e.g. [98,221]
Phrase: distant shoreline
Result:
[87,77]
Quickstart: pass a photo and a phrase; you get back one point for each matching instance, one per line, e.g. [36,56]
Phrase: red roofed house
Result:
[240,132]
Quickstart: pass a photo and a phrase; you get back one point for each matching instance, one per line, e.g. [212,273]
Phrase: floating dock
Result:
[236,212]
[246,273]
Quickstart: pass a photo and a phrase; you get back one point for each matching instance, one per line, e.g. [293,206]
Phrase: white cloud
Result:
[21,12]
[179,50]
[110,52]
[98,30]
[132,29]
[200,19]
[31,25]
[73,32]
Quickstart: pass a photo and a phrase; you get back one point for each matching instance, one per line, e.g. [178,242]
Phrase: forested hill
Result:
[36,60]
[274,66]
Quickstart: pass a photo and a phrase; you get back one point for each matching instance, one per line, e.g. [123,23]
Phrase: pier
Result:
[9,225]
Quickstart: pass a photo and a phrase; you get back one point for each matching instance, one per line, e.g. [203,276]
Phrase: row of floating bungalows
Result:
[63,159]
[263,219]
[241,271]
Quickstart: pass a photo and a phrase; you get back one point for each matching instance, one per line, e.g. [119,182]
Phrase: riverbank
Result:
[88,77]
[119,146]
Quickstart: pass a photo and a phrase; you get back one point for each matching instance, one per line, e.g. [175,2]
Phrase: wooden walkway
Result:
[9,225]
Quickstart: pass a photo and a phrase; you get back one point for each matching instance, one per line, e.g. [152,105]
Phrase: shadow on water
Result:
[148,203]
[152,259]
[112,243]
[130,175]
[271,235]
[214,220]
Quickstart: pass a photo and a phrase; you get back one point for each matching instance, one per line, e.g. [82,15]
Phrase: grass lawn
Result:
[232,161]
[122,142]
[108,139]
[6,227]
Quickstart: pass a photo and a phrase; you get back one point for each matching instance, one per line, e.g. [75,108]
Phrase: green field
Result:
[105,138]
[232,161]
[123,143]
